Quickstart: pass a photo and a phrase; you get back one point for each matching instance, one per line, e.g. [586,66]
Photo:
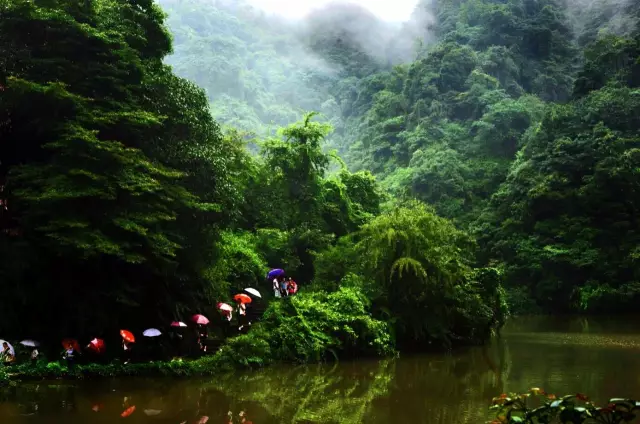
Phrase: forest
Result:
[155,158]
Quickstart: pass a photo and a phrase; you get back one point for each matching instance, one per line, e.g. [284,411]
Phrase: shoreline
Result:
[176,368]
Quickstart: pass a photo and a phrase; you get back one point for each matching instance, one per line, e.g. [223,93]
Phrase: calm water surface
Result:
[597,356]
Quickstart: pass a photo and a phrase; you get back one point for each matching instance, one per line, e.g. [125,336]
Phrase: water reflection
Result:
[563,355]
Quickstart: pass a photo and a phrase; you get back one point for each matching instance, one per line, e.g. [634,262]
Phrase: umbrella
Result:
[151,332]
[225,307]
[200,319]
[97,345]
[128,411]
[152,412]
[275,273]
[254,292]
[11,350]
[242,298]
[127,336]
[178,324]
[66,343]
[30,343]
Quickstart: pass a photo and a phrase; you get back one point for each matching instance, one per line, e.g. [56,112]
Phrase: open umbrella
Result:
[11,350]
[275,273]
[200,319]
[151,332]
[152,412]
[242,298]
[225,307]
[30,343]
[66,343]
[254,292]
[178,324]
[97,345]
[127,336]
[128,411]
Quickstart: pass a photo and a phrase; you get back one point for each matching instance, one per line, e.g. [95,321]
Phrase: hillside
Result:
[464,121]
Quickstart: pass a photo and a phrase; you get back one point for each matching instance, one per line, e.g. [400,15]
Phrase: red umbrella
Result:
[128,411]
[200,319]
[242,298]
[66,343]
[178,324]
[225,307]
[127,336]
[97,345]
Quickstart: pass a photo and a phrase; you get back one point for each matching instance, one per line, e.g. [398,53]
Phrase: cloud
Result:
[387,10]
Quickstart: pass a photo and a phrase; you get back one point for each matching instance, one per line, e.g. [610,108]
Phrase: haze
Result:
[391,11]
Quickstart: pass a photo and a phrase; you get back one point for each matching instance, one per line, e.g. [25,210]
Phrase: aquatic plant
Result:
[537,406]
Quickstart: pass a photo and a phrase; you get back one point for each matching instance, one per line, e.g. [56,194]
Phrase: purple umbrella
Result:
[275,273]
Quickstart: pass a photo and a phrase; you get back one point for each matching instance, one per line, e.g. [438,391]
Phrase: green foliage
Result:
[413,261]
[537,406]
[317,326]
[239,264]
[561,221]
[113,168]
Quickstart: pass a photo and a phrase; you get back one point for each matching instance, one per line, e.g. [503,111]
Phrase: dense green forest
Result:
[484,145]
[514,119]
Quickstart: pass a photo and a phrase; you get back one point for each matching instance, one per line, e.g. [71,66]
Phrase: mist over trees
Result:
[453,122]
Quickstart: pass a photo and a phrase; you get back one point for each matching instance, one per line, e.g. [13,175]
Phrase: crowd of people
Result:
[182,338]
[283,287]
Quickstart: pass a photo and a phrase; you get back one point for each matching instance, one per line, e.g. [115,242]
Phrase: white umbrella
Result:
[254,292]
[2,342]
[30,343]
[151,332]
[152,412]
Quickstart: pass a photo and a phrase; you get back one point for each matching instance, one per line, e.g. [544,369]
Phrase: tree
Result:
[105,174]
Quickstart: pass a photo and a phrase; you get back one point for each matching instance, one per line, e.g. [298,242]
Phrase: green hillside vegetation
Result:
[124,205]
[498,152]
[515,121]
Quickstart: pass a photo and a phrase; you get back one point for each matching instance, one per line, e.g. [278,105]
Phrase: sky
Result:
[388,10]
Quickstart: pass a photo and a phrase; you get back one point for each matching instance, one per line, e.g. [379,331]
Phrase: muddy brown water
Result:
[596,356]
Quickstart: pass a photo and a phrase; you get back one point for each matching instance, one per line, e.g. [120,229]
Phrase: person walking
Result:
[283,287]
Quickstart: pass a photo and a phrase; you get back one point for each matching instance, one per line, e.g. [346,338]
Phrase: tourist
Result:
[283,286]
[69,355]
[242,314]
[7,355]
[276,287]
[292,287]
[202,337]
[126,348]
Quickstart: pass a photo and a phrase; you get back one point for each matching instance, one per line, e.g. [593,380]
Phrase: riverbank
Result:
[308,328]
[58,371]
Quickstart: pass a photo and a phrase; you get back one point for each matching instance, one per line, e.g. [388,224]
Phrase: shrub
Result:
[536,406]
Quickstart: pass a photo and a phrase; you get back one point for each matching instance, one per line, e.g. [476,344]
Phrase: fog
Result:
[390,11]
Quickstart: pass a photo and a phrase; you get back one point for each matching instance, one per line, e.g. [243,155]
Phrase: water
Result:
[596,356]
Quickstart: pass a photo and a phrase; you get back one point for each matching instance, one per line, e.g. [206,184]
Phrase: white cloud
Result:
[388,10]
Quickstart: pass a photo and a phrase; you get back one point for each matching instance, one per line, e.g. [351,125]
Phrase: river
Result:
[597,356]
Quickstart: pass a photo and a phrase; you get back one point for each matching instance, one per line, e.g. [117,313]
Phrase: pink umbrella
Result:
[178,324]
[200,319]
[225,307]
